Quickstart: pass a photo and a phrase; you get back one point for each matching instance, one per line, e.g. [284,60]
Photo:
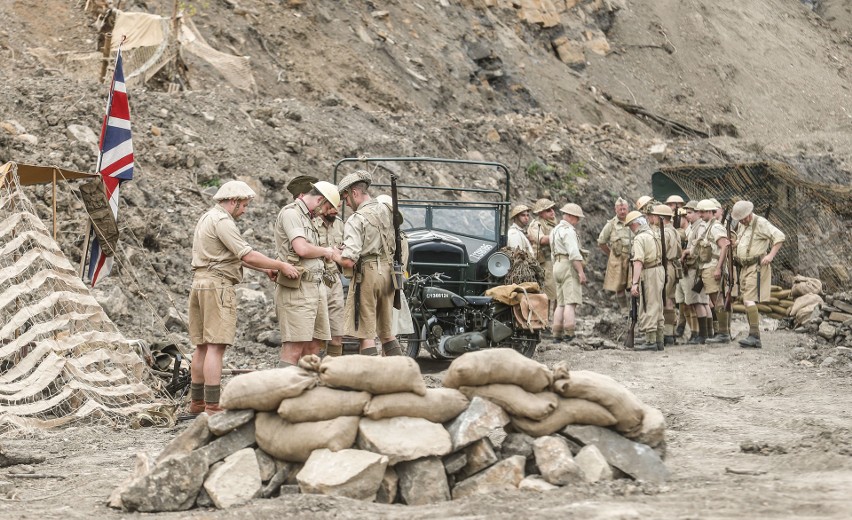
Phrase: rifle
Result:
[397,252]
[664,259]
[765,216]
[634,317]
[356,279]
[729,260]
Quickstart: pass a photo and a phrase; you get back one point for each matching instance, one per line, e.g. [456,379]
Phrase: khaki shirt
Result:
[564,242]
[218,246]
[617,235]
[518,239]
[330,236]
[693,233]
[712,233]
[369,232]
[539,228]
[673,247]
[757,238]
[294,221]
[646,247]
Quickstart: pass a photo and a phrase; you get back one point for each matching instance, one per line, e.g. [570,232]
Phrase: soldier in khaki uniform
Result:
[539,234]
[614,241]
[368,248]
[330,228]
[696,300]
[673,270]
[517,236]
[568,272]
[642,203]
[219,254]
[647,280]
[676,203]
[301,307]
[758,243]
[712,248]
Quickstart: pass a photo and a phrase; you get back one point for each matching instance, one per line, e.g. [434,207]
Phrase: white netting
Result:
[61,358]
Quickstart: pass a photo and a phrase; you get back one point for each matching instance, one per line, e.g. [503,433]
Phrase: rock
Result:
[228,421]
[234,482]
[480,455]
[81,133]
[504,476]
[569,52]
[13,127]
[285,472]
[637,460]
[828,362]
[423,481]
[250,296]
[270,338]
[113,301]
[454,462]
[175,321]
[594,465]
[172,485]
[27,138]
[799,353]
[536,483]
[481,417]
[348,473]
[388,487]
[203,499]
[403,438]
[289,489]
[517,444]
[827,330]
[140,469]
[658,151]
[196,435]
[841,352]
[554,460]
[266,464]
[242,437]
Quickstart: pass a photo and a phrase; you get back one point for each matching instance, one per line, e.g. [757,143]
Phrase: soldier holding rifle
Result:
[759,242]
[672,247]
[647,280]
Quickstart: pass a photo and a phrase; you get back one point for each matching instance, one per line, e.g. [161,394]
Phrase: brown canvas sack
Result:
[263,390]
[321,404]
[295,442]
[607,392]
[515,400]
[568,411]
[439,405]
[653,430]
[498,365]
[374,374]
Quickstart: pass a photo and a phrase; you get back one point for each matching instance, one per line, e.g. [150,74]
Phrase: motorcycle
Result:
[448,325]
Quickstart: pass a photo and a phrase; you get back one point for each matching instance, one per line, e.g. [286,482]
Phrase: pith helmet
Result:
[674,199]
[716,204]
[633,215]
[641,201]
[329,191]
[542,205]
[354,177]
[517,210]
[741,210]
[705,205]
[300,184]
[386,199]
[662,211]
[234,190]
[573,209]
[691,204]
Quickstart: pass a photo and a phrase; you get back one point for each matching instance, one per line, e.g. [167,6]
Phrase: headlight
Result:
[498,265]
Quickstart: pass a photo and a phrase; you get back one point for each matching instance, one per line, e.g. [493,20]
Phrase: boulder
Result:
[172,485]
[81,133]
[480,455]
[403,438]
[454,462]
[594,464]
[388,487]
[242,437]
[554,460]
[635,459]
[266,464]
[423,481]
[348,473]
[228,421]
[536,483]
[503,476]
[251,296]
[517,444]
[235,481]
[827,330]
[481,417]
[140,469]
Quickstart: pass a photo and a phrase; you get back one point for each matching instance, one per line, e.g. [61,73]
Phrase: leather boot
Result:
[196,406]
[213,408]
[392,348]
[751,341]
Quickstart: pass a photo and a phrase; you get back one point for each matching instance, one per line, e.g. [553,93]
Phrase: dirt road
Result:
[752,434]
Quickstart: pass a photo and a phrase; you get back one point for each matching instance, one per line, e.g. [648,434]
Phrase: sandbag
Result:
[568,411]
[777,309]
[653,430]
[263,390]
[606,391]
[374,374]
[763,308]
[439,405]
[781,295]
[294,442]
[498,365]
[803,306]
[515,400]
[321,404]
[803,285]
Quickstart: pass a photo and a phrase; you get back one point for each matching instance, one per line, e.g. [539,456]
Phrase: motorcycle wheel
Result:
[410,342]
[526,346]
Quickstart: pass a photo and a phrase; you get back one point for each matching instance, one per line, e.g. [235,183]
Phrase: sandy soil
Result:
[729,411]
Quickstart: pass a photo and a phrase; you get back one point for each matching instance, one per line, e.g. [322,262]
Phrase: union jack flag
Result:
[115,159]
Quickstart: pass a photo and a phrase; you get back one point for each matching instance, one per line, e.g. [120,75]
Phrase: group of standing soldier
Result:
[312,246]
[672,258]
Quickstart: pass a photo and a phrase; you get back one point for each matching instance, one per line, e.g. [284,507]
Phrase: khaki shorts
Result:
[568,288]
[334,294]
[748,282]
[375,315]
[671,282]
[615,279]
[691,297]
[549,282]
[212,311]
[303,312]
[711,284]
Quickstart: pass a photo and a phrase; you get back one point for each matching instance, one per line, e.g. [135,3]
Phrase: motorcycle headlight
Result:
[498,265]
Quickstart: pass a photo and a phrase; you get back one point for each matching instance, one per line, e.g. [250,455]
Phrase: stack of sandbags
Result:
[778,306]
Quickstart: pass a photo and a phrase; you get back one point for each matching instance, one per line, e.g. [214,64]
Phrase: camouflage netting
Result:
[524,267]
[61,358]
[817,218]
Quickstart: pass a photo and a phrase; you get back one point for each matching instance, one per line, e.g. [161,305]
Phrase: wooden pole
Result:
[54,204]
[85,249]
[106,52]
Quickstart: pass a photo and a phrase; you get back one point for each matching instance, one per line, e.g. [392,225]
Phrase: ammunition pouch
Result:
[704,252]
[291,283]
[678,268]
[747,262]
[698,286]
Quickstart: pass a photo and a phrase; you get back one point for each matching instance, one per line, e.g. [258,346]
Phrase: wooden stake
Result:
[85,249]
[54,204]
[106,53]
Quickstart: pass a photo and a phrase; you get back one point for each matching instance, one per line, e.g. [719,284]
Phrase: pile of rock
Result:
[368,428]
[830,319]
